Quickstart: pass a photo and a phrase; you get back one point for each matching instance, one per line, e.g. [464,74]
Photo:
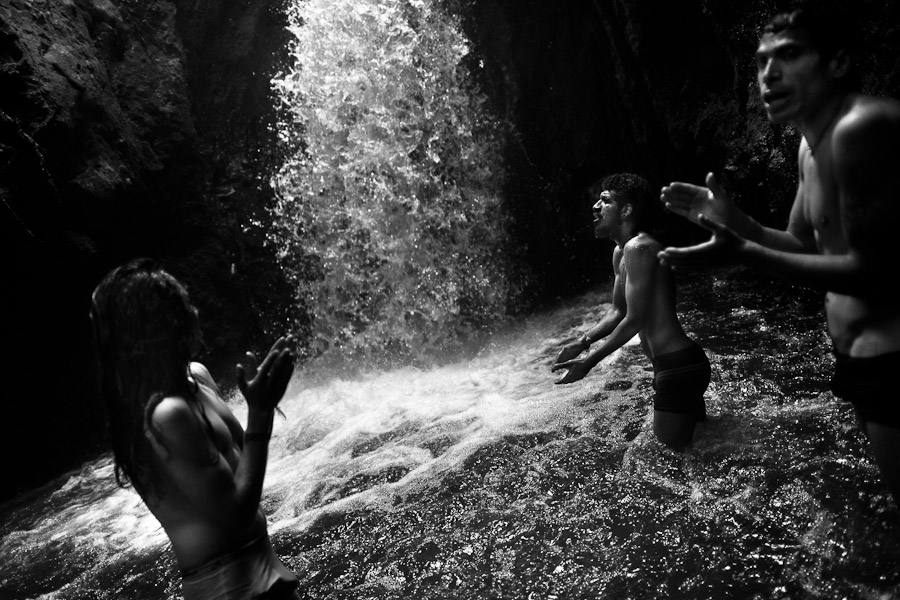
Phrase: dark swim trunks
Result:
[253,571]
[870,384]
[680,380]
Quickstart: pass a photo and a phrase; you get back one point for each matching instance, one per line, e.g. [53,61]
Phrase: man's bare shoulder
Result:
[869,116]
[867,146]
[640,253]
[642,244]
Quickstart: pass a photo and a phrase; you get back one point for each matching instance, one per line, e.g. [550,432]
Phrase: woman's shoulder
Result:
[171,415]
[202,375]
[199,371]
[175,424]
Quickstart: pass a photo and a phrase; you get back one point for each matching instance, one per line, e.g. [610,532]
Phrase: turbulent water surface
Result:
[482,479]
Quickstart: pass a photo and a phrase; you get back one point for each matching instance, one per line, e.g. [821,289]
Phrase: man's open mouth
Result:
[772,96]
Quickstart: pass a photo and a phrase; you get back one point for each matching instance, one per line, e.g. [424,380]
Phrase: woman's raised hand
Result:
[263,385]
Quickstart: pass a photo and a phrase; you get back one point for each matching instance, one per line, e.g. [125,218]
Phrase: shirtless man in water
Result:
[841,235]
[177,442]
[643,303]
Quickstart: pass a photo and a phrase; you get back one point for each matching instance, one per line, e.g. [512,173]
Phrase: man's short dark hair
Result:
[634,190]
[829,26]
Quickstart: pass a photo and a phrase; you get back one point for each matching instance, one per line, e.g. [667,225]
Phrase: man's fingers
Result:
[717,190]
[711,225]
[680,187]
[680,259]
[241,378]
[683,199]
[681,211]
[568,378]
[678,255]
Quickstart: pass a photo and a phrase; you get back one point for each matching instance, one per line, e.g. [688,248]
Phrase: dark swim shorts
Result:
[870,384]
[680,380]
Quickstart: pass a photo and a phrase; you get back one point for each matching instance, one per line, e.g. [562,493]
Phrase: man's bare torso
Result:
[858,326]
[662,332]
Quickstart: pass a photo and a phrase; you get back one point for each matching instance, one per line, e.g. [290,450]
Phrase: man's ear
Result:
[626,210]
[840,63]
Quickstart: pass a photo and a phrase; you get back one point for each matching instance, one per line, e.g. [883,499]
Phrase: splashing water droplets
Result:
[392,144]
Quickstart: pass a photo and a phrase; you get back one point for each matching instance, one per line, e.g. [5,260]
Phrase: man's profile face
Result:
[794,79]
[606,213]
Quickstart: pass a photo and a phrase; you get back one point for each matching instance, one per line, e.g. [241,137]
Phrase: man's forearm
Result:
[839,273]
[625,330]
[751,229]
[602,329]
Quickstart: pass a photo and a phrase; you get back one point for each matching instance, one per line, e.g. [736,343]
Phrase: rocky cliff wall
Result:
[127,128]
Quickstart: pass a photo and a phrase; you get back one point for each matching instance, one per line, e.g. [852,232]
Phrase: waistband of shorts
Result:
[225,559]
[692,354]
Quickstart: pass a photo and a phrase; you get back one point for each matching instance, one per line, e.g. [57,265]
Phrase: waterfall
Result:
[389,218]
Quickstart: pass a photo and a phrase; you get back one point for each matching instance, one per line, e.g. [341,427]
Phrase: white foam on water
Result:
[424,422]
[322,444]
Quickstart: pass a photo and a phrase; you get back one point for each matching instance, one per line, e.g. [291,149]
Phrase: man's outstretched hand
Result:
[691,201]
[577,369]
[569,352]
[724,247]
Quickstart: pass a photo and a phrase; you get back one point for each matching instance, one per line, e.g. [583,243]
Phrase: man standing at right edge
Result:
[841,235]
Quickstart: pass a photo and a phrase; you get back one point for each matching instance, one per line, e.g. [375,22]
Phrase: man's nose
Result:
[770,71]
[597,205]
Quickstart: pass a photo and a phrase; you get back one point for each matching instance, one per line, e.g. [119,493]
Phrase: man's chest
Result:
[820,203]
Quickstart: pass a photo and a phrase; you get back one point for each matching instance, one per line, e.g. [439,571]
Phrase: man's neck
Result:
[624,234]
[817,126]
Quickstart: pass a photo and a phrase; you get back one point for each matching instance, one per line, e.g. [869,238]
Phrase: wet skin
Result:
[841,235]
[643,303]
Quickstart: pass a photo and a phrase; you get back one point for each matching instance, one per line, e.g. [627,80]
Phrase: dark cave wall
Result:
[666,89]
[120,139]
[232,50]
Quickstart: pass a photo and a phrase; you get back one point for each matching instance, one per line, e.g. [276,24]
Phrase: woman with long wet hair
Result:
[177,442]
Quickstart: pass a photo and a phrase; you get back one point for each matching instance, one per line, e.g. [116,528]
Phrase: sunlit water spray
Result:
[389,216]
[371,439]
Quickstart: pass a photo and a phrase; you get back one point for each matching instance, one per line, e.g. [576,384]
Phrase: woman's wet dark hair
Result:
[145,329]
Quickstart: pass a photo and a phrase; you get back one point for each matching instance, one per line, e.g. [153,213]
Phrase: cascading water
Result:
[389,218]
